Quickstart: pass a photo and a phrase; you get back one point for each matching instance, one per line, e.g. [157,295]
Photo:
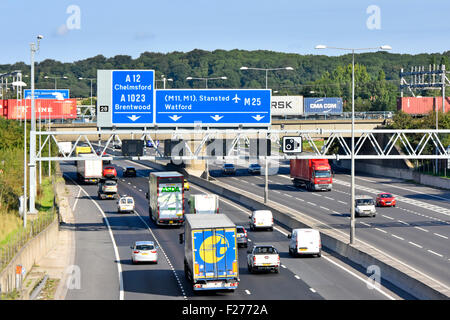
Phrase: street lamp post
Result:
[352,203]
[34,48]
[164,80]
[206,79]
[266,184]
[90,79]
[266,70]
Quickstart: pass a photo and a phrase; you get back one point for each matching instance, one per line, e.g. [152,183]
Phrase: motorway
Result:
[416,232]
[103,255]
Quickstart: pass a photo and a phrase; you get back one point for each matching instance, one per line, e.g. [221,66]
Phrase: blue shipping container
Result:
[323,105]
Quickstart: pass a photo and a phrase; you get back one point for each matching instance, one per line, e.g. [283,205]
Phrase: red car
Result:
[385,200]
[109,172]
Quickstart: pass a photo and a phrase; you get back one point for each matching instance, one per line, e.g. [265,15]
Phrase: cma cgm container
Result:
[55,109]
[421,105]
[315,174]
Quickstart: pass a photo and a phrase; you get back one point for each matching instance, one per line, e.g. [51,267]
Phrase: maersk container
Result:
[421,105]
[211,252]
[55,109]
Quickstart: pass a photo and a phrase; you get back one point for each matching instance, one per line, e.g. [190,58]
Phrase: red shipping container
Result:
[421,105]
[45,108]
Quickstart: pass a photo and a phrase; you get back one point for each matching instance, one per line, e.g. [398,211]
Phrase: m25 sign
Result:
[287,105]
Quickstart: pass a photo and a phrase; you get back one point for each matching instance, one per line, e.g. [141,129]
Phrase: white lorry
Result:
[89,171]
[263,257]
[203,203]
[166,198]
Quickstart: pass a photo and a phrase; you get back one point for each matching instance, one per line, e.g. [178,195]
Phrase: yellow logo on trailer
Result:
[214,248]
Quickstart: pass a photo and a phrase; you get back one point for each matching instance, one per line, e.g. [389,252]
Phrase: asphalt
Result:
[299,279]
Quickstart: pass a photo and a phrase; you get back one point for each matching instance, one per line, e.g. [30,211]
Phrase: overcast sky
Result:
[76,30]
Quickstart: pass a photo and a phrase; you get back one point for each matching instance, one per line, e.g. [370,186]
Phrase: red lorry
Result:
[315,174]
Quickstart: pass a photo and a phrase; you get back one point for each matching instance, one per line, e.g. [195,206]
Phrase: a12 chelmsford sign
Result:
[126,98]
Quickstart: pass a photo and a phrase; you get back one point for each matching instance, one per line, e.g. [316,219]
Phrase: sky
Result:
[78,29]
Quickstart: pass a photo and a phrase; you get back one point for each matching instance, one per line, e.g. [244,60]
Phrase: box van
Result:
[261,219]
[305,241]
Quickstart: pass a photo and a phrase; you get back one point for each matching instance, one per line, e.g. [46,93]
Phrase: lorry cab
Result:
[261,219]
[321,176]
[305,241]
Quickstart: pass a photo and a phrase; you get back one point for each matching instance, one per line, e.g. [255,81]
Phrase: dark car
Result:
[129,172]
[228,168]
[254,168]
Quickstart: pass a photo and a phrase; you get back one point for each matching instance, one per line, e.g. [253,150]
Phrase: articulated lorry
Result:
[166,198]
[210,252]
[89,171]
[315,174]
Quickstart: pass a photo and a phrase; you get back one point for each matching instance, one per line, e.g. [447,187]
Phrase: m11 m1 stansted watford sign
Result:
[213,107]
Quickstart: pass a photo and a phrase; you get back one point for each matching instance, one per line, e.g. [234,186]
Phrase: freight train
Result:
[45,108]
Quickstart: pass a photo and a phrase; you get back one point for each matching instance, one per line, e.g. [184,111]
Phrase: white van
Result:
[261,219]
[305,241]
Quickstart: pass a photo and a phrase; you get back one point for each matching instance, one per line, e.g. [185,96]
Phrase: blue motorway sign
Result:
[59,94]
[322,105]
[219,107]
[133,97]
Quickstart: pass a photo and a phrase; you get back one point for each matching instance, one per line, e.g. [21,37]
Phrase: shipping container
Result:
[56,109]
[421,105]
[322,105]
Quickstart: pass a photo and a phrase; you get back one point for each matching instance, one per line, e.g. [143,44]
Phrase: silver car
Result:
[242,237]
[144,251]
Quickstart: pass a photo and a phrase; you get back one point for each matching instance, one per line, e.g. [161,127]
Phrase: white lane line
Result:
[329,198]
[415,244]
[421,229]
[116,251]
[438,254]
[324,208]
[300,199]
[247,292]
[283,266]
[297,277]
[342,202]
[76,201]
[313,204]
[440,235]
[315,194]
[312,290]
[288,195]
[403,222]
[129,182]
[140,190]
[134,187]
[387,217]
[397,237]
[366,224]
[380,230]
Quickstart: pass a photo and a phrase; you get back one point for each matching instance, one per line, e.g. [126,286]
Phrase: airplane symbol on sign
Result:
[236,98]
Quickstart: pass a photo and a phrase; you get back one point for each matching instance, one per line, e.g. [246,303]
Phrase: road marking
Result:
[415,244]
[140,190]
[380,230]
[247,292]
[440,235]
[357,276]
[438,254]
[288,195]
[315,194]
[324,208]
[366,224]
[397,237]
[330,198]
[111,235]
[76,201]
[421,229]
[283,266]
[313,204]
[387,217]
[300,199]
[403,222]
[342,202]
[297,277]
[312,290]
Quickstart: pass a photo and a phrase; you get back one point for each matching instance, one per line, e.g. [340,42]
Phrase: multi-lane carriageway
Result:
[102,254]
[416,232]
